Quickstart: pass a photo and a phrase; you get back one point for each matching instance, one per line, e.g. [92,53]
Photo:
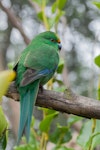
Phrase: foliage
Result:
[89,136]
[5,79]
[97,60]
[97,4]
[3,129]
[86,135]
[56,10]
[60,135]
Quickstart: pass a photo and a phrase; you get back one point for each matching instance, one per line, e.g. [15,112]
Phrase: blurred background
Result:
[79,31]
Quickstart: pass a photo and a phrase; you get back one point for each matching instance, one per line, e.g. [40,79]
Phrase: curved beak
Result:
[59,46]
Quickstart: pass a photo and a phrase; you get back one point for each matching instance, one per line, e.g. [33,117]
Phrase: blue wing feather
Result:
[31,75]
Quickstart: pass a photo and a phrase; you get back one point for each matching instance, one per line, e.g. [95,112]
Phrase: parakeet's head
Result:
[51,38]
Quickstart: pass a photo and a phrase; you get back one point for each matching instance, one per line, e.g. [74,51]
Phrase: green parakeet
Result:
[35,67]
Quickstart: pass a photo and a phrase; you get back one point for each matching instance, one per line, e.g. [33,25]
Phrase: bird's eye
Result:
[52,40]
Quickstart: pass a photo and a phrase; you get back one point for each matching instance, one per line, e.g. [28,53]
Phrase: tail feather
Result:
[26,109]
[32,103]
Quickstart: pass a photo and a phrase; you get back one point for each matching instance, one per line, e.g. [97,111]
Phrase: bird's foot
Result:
[41,88]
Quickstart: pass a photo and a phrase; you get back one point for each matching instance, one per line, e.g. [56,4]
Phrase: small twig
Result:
[35,6]
[45,21]
[15,22]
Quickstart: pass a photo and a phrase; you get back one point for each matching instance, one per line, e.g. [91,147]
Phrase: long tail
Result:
[26,109]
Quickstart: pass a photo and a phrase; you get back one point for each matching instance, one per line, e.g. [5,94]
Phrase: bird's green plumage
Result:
[35,67]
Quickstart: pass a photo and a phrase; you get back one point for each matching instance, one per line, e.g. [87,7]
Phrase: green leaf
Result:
[60,66]
[3,130]
[96,139]
[47,111]
[54,7]
[51,111]
[3,141]
[61,4]
[61,135]
[97,60]
[40,15]
[3,122]
[62,148]
[85,134]
[58,4]
[72,119]
[61,13]
[85,137]
[97,4]
[45,123]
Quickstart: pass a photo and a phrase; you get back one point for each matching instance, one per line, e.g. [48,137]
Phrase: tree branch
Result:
[15,22]
[66,102]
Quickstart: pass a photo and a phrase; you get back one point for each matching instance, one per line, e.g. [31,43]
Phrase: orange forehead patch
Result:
[58,41]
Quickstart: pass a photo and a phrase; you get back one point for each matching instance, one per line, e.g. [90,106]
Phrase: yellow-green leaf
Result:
[97,60]
[61,4]
[97,4]
[45,123]
[5,79]
[3,121]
